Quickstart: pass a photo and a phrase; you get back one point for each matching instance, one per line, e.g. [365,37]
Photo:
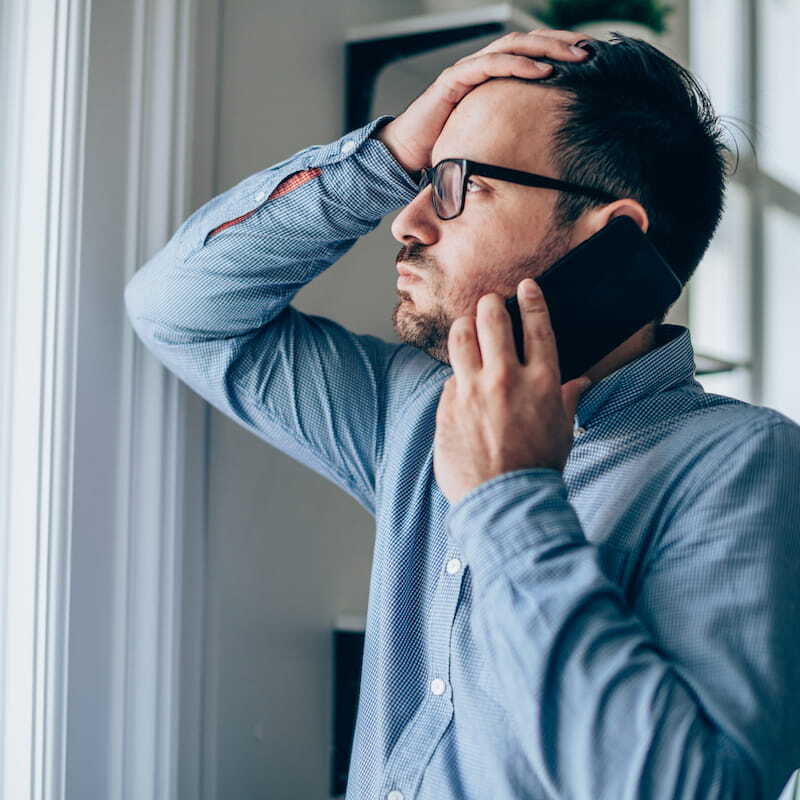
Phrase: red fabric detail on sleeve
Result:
[230,222]
[294,180]
[289,183]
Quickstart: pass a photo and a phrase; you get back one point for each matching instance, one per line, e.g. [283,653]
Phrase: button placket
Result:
[424,731]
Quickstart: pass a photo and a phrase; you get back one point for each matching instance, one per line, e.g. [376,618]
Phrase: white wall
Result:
[288,551]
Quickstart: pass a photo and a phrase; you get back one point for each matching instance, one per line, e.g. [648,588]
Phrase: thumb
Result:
[571,393]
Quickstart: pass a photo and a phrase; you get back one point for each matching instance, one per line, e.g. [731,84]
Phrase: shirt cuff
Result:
[526,510]
[368,177]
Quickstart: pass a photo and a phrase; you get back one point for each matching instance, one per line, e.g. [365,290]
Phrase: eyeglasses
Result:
[449,178]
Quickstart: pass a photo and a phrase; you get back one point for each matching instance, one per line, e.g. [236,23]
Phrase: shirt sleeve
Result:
[690,691]
[214,306]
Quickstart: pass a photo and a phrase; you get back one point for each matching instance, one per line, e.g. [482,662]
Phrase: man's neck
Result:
[643,341]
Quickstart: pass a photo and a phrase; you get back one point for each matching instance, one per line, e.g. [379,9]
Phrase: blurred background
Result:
[172,587]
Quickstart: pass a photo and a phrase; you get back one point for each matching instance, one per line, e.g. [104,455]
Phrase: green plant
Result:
[570,13]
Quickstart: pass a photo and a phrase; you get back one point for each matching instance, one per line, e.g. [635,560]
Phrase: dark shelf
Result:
[711,365]
[370,48]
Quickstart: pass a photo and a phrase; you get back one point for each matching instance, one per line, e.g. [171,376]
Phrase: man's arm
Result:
[214,306]
[693,692]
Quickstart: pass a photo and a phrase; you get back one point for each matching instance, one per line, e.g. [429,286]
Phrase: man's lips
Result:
[407,273]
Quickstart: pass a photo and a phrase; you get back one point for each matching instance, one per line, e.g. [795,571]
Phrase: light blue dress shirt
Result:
[626,629]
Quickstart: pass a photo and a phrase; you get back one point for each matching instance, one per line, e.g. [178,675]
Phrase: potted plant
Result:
[643,19]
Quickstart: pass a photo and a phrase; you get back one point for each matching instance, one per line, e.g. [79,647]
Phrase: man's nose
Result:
[417,220]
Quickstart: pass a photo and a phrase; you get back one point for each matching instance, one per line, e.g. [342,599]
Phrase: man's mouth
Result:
[404,272]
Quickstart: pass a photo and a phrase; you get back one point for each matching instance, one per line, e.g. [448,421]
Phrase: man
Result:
[612,616]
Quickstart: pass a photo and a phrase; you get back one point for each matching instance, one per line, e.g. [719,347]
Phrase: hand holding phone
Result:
[600,293]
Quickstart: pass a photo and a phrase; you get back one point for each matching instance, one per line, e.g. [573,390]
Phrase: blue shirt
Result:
[626,629]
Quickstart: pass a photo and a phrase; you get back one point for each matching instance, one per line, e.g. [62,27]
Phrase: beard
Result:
[429,330]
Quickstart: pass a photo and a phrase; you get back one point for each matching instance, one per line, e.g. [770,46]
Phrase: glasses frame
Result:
[469,167]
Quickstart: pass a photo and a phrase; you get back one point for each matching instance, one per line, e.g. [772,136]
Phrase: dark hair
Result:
[637,124]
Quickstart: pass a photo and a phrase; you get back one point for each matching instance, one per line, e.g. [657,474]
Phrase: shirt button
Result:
[260,196]
[437,686]
[453,566]
[348,147]
[578,431]
[394,795]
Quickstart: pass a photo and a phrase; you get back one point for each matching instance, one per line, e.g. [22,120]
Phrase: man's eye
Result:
[477,186]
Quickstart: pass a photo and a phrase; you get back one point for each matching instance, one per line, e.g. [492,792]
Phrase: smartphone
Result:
[600,293]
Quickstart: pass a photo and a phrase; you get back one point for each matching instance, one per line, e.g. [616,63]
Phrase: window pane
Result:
[723,72]
[719,297]
[779,89]
[782,313]
[735,383]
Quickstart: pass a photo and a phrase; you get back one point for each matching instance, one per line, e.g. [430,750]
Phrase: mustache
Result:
[411,254]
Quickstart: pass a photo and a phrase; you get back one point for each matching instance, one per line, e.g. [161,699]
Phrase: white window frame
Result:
[110,120]
[762,189]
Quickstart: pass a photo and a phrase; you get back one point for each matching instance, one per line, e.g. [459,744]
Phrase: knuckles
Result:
[462,333]
[497,314]
[500,380]
[492,309]
[543,374]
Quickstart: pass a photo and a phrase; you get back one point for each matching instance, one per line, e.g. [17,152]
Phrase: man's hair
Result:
[637,124]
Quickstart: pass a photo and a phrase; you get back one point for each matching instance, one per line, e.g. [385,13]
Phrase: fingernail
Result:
[579,51]
[585,45]
[529,288]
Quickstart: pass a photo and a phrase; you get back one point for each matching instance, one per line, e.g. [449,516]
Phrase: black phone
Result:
[600,293]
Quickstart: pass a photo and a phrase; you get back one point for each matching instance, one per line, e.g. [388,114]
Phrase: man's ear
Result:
[594,219]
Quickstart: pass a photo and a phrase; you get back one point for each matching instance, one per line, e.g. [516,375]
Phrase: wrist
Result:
[385,138]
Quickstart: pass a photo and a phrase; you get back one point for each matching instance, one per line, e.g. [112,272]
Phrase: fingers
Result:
[486,341]
[571,393]
[462,346]
[456,81]
[540,42]
[571,37]
[511,55]
[541,352]
[495,335]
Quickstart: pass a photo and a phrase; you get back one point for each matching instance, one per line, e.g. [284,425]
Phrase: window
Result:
[744,297]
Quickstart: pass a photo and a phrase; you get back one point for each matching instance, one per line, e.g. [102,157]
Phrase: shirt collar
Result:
[669,363]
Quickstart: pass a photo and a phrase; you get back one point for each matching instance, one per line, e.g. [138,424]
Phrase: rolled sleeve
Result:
[214,306]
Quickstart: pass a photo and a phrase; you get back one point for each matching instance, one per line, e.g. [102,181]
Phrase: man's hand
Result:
[496,415]
[410,136]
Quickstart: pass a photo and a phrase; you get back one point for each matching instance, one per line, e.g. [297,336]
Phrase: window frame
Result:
[762,190]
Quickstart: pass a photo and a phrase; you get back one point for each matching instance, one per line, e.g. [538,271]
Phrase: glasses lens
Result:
[447,189]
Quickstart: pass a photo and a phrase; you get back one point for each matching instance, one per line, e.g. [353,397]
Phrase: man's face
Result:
[505,232]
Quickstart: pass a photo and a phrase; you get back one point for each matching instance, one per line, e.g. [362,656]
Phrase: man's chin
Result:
[426,332]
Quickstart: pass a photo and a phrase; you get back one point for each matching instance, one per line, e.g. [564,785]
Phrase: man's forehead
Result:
[502,121]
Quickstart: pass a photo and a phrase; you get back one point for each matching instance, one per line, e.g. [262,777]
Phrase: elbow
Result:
[131,299]
[139,307]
